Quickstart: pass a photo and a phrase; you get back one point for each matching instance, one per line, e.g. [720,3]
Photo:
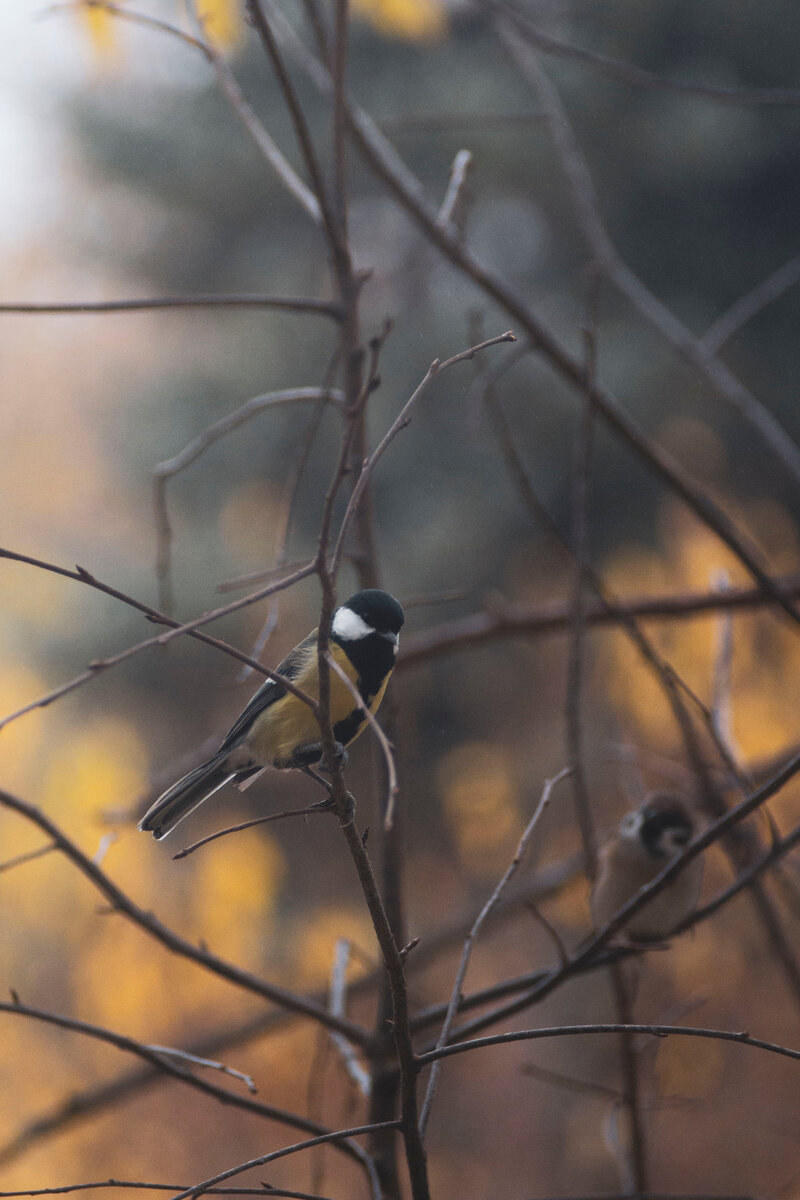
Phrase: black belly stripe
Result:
[344,731]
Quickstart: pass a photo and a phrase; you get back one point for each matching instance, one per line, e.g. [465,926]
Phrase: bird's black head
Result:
[379,611]
[666,826]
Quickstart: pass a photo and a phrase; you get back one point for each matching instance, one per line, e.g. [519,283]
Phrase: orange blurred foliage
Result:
[411,20]
[481,805]
[765,687]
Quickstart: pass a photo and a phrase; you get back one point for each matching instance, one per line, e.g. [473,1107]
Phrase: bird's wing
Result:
[269,692]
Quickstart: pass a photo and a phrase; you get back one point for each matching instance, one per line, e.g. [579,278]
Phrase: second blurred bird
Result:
[645,841]
[276,729]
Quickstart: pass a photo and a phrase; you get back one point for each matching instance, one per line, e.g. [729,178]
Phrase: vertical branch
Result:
[631,1092]
[581,472]
[339,130]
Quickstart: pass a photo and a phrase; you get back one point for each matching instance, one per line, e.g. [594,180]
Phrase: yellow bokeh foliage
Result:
[235,892]
[689,1067]
[99,25]
[411,20]
[765,687]
[99,767]
[316,938]
[221,20]
[481,805]
[21,740]
[249,520]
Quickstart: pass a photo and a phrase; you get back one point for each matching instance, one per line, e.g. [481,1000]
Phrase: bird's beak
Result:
[391,637]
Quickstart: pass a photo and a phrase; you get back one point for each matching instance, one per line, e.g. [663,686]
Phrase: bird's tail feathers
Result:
[184,796]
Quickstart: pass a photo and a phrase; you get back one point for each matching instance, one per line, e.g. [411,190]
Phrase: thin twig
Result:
[134,18]
[383,741]
[636,1165]
[279,816]
[210,1063]
[750,305]
[338,991]
[603,250]
[166,470]
[455,187]
[400,423]
[190,628]
[139,1185]
[581,471]
[638,77]
[659,1031]
[298,304]
[160,1057]
[31,855]
[341,1135]
[517,620]
[229,87]
[469,941]
[121,903]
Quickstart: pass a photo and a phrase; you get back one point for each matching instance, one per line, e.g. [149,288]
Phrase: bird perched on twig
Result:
[277,729]
[645,841]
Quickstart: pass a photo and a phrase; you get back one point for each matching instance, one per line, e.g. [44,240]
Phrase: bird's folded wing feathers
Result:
[271,691]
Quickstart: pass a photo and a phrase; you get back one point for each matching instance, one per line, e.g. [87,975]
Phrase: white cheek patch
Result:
[631,826]
[349,626]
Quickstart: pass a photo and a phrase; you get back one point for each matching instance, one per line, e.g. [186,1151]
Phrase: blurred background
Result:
[127,175]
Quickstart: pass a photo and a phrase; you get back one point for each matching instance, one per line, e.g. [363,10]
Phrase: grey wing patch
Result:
[270,691]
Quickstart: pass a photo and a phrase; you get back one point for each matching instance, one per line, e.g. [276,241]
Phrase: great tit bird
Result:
[277,729]
[645,841]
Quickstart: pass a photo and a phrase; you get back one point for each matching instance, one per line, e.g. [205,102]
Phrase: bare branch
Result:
[659,1031]
[338,992]
[603,250]
[389,167]
[121,903]
[399,424]
[279,816]
[257,131]
[191,628]
[383,741]
[458,983]
[200,1188]
[511,620]
[164,471]
[749,305]
[455,186]
[637,76]
[161,1058]
[325,308]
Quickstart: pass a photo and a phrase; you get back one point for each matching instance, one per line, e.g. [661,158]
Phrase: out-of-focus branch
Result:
[387,164]
[469,942]
[326,308]
[501,619]
[200,1189]
[162,1058]
[578,545]
[586,953]
[121,903]
[604,252]
[638,77]
[749,305]
[166,470]
[191,628]
[102,1096]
